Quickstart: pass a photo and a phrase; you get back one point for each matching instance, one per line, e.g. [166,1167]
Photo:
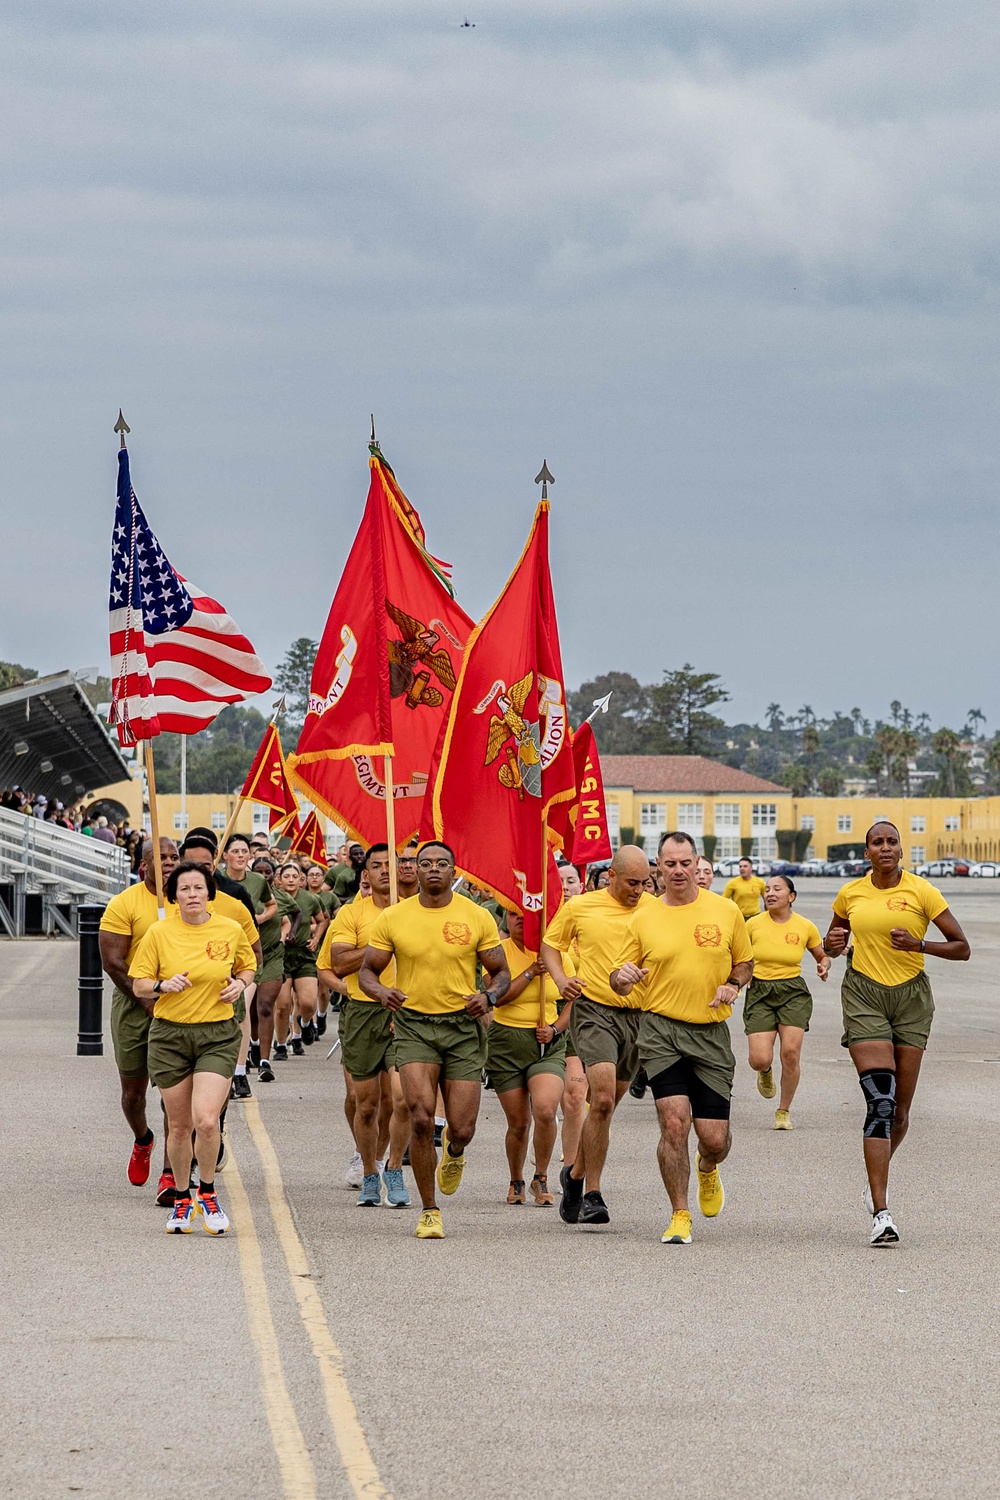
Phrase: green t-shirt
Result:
[345,882]
[328,900]
[310,906]
[270,931]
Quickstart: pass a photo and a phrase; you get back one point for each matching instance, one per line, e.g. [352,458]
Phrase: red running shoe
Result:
[166,1189]
[138,1164]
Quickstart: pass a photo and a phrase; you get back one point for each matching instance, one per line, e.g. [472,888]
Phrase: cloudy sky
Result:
[730,267]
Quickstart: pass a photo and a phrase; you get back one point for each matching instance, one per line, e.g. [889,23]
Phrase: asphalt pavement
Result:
[775,1355]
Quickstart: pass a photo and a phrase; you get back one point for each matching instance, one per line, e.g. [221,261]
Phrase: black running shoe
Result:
[308,1032]
[438,1131]
[321,1024]
[594,1210]
[572,1195]
[280,1052]
[241,1087]
[265,1073]
[254,1055]
[297,1047]
[637,1088]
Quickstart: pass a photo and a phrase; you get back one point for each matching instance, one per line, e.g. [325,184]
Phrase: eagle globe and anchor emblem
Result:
[526,746]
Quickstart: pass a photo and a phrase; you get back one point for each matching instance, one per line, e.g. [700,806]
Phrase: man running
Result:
[406,873]
[367,1042]
[746,889]
[435,940]
[604,1026]
[127,917]
[691,948]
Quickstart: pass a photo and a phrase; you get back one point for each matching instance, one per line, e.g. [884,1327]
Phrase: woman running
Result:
[778,1004]
[299,969]
[526,1061]
[886,996]
[273,933]
[189,973]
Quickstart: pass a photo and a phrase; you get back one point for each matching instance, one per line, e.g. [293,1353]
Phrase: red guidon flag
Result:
[267,783]
[505,760]
[384,673]
[309,840]
[582,825]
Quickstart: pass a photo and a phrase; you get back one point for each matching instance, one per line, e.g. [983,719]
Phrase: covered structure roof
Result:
[53,741]
[682,773]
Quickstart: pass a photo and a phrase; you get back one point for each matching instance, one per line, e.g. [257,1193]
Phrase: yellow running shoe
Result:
[711,1196]
[765,1084]
[429,1226]
[449,1168]
[781,1120]
[678,1231]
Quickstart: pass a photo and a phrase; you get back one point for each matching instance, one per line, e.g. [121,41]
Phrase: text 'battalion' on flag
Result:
[177,658]
[505,757]
[384,673]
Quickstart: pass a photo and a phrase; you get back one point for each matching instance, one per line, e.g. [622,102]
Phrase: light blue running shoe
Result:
[396,1195]
[370,1195]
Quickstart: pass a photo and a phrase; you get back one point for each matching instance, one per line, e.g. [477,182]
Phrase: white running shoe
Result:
[884,1231]
[213,1218]
[355,1175]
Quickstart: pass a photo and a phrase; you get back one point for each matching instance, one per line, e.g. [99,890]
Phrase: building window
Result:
[918,825]
[952,824]
[765,846]
[691,816]
[219,821]
[727,846]
[808,821]
[180,822]
[613,823]
[845,823]
[653,817]
[727,817]
[764,815]
[918,853]
[261,819]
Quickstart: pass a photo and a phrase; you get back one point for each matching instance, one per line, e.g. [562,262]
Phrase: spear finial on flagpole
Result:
[544,478]
[600,707]
[278,708]
[122,426]
[373,446]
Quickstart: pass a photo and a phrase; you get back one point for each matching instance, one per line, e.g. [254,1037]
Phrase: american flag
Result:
[177,658]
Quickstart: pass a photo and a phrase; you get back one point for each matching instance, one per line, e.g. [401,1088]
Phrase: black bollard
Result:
[90,1038]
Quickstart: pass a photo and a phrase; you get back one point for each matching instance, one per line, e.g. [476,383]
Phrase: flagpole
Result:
[541,922]
[276,710]
[390,830]
[154,827]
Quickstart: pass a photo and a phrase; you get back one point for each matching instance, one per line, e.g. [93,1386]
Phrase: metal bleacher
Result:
[64,869]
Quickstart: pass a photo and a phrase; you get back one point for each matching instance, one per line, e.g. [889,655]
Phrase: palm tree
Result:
[923,724]
[895,709]
[908,747]
[974,717]
[774,716]
[887,741]
[855,718]
[948,745]
[806,715]
[810,739]
[992,760]
[830,781]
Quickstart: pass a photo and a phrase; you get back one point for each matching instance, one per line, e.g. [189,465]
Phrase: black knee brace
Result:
[879,1088]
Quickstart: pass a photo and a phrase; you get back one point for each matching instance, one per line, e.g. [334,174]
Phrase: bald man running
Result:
[604,1027]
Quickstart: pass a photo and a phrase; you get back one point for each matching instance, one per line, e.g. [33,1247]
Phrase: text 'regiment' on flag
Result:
[384,673]
[177,659]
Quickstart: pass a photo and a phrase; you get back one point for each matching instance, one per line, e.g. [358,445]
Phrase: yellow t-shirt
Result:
[435,949]
[913,904]
[131,914]
[227,906]
[597,922]
[780,947]
[746,894]
[208,953]
[353,925]
[524,1010]
[689,950]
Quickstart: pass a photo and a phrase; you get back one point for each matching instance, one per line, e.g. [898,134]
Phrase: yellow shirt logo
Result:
[707,935]
[896,903]
[217,951]
[457,933]
[792,937]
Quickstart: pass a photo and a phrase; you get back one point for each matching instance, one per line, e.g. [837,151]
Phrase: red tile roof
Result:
[670,774]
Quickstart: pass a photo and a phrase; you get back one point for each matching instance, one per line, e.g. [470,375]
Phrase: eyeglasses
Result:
[434,864]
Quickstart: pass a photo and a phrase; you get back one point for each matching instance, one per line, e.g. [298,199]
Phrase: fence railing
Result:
[65,869]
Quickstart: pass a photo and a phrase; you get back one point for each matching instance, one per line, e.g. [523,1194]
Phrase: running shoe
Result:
[308,1032]
[396,1195]
[637,1088]
[297,1047]
[321,1023]
[572,1195]
[765,1084]
[166,1189]
[429,1226]
[450,1168]
[223,1156]
[138,1163]
[594,1210]
[181,1221]
[355,1175]
[678,1231]
[280,1053]
[265,1073]
[540,1191]
[370,1195]
[214,1219]
[253,1056]
[515,1193]
[438,1133]
[240,1087]
[884,1231]
[711,1196]
[782,1120]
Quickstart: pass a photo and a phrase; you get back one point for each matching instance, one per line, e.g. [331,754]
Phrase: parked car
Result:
[731,867]
[937,869]
[987,869]
[785,867]
[814,867]
[962,866]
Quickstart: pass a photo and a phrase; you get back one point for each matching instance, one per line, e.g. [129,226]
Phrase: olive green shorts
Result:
[514,1054]
[771,1003]
[664,1041]
[299,963]
[240,1010]
[272,968]
[899,1013]
[365,1039]
[130,1024]
[177,1050]
[455,1041]
[606,1034]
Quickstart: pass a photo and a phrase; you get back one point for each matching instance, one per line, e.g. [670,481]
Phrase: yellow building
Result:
[929,827]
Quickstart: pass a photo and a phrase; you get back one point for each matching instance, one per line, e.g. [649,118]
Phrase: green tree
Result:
[680,722]
[785,839]
[953,776]
[803,838]
[875,765]
[798,778]
[623,729]
[627,835]
[13,675]
[774,717]
[709,844]
[294,675]
[810,739]
[992,760]
[973,719]
[830,781]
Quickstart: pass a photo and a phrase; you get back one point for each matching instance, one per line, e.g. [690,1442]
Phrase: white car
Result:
[987,869]
[813,867]
[731,867]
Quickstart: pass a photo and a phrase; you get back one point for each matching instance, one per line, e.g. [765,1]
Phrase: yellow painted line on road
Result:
[355,1453]
[298,1477]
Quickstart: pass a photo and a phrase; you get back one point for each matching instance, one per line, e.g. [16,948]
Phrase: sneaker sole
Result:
[892,1238]
[675,1239]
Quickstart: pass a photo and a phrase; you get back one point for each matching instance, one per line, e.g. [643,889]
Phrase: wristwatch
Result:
[491,1000]
[157,987]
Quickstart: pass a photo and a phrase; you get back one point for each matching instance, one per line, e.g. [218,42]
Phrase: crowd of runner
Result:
[436,992]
